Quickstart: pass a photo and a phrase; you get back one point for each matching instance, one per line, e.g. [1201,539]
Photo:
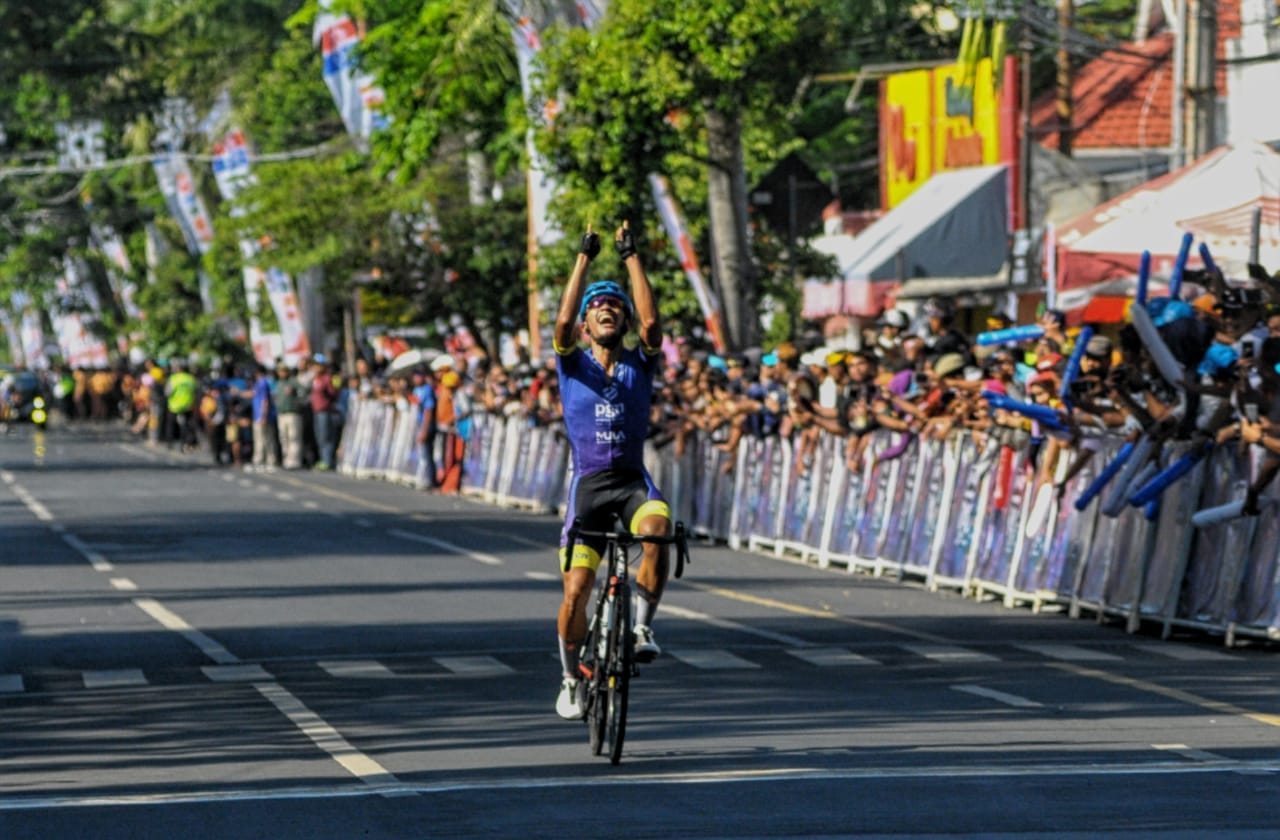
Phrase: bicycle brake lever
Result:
[682,550]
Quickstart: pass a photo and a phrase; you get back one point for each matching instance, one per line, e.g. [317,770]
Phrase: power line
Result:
[120,163]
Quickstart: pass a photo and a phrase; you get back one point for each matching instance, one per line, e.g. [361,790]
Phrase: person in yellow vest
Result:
[182,390]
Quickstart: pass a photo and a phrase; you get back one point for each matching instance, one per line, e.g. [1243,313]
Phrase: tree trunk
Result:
[732,267]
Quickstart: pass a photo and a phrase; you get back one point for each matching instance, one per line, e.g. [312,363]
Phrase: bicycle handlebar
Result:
[624,538]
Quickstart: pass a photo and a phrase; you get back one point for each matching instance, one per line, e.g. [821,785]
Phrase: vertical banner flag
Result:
[357,96]
[232,172]
[541,185]
[119,270]
[673,221]
[11,336]
[179,190]
[80,347]
[31,335]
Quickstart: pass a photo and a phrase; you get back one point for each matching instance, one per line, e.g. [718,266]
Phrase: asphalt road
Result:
[196,652]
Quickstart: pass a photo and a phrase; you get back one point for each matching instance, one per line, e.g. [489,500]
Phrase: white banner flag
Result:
[80,347]
[31,334]
[232,172]
[358,97]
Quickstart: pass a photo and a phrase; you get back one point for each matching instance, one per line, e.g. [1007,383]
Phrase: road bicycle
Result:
[607,662]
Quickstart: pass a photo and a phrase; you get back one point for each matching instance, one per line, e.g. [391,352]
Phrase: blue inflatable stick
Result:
[1073,366]
[1144,277]
[1207,259]
[1212,516]
[1179,266]
[1114,503]
[1152,510]
[1042,414]
[1152,490]
[1026,332]
[1165,361]
[1108,472]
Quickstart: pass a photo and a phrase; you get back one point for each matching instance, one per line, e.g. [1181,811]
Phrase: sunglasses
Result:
[605,300]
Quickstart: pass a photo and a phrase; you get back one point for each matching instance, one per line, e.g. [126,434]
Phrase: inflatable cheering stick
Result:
[1180,265]
[1114,503]
[1026,332]
[1108,472]
[1151,491]
[1073,366]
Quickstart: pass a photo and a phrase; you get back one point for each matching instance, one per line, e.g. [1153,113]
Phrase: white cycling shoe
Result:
[647,648]
[569,702]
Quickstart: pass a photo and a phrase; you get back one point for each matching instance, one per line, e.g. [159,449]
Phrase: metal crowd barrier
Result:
[952,513]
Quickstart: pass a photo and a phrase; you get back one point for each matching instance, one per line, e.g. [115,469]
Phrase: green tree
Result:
[659,85]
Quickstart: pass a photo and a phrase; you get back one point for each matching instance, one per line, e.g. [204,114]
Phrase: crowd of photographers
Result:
[1055,390]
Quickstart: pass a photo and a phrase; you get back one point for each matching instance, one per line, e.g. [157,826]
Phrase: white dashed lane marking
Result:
[713,660]
[118,678]
[1070,653]
[950,653]
[474,666]
[356,669]
[236,673]
[829,657]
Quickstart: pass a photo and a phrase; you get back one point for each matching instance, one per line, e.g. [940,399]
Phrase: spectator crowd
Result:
[1050,389]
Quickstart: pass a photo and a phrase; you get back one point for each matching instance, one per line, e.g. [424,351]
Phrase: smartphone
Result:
[1246,350]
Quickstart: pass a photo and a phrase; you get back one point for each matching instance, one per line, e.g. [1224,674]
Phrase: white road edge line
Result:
[325,736]
[172,621]
[479,557]
[579,782]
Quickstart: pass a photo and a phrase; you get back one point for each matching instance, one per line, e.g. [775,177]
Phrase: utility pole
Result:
[1177,142]
[1202,91]
[1066,129]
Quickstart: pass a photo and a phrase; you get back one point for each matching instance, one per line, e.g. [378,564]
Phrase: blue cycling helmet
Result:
[603,287]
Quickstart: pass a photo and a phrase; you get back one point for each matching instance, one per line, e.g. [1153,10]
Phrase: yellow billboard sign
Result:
[931,123]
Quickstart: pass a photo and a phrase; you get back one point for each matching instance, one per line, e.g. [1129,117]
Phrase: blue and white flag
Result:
[358,97]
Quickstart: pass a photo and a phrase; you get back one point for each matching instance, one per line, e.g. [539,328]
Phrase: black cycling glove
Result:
[626,244]
[590,244]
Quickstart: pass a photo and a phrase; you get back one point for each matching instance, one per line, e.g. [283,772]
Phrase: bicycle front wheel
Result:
[595,694]
[618,674]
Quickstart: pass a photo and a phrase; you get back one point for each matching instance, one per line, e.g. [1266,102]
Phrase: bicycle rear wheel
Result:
[618,672]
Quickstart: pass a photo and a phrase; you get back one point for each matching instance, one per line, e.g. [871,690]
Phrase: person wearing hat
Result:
[606,389]
[941,336]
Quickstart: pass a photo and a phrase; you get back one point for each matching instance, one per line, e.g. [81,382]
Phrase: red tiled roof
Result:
[1123,99]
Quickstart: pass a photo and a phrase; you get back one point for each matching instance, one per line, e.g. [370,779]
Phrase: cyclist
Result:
[605,389]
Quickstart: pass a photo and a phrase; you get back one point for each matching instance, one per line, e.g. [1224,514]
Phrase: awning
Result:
[950,286]
[1214,198]
[956,226]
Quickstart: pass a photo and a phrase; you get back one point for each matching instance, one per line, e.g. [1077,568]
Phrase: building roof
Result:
[1123,99]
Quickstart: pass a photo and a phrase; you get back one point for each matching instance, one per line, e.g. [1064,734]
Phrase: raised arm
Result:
[567,318]
[647,321]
